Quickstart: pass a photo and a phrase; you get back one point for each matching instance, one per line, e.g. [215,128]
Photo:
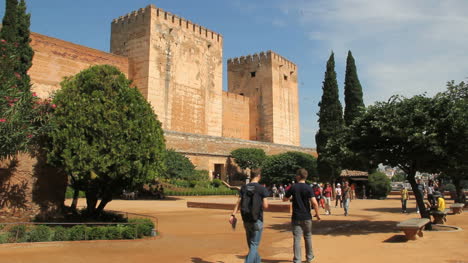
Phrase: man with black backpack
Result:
[252,201]
[302,198]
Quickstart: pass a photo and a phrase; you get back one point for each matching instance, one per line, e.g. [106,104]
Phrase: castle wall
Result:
[206,151]
[55,59]
[252,77]
[236,116]
[286,128]
[182,67]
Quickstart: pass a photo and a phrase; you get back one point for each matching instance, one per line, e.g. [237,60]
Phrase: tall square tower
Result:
[270,82]
[177,65]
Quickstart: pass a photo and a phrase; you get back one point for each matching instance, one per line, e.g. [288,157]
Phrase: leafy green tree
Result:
[249,158]
[24,48]
[105,135]
[178,166]
[399,133]
[451,109]
[330,125]
[281,168]
[379,185]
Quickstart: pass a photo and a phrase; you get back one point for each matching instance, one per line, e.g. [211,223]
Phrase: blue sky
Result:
[400,47]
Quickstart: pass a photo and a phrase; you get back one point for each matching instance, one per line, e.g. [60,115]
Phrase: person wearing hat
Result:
[440,201]
[338,195]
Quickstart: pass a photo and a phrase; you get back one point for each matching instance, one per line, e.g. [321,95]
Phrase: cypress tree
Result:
[353,92]
[10,21]
[25,51]
[330,124]
[353,109]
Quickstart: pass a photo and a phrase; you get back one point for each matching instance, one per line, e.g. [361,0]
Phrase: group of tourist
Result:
[435,199]
[253,200]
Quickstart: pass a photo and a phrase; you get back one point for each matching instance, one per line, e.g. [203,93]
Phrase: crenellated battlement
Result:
[254,58]
[171,18]
[261,57]
[235,96]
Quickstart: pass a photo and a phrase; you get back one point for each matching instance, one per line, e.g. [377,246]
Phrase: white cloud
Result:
[401,47]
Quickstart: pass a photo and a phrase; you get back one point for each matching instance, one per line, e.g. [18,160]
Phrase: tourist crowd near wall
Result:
[177,66]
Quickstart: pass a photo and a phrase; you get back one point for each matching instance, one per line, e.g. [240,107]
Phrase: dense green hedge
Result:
[70,191]
[137,228]
[190,192]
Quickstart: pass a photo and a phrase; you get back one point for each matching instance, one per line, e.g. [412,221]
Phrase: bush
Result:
[60,234]
[129,232]
[3,238]
[40,234]
[216,183]
[449,187]
[97,233]
[77,232]
[201,175]
[379,185]
[17,233]
[178,166]
[144,226]
[113,232]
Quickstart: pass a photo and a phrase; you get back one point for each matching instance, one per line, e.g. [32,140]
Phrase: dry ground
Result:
[204,236]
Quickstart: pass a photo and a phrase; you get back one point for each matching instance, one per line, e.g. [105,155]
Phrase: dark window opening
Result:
[285,77]
[242,94]
[252,74]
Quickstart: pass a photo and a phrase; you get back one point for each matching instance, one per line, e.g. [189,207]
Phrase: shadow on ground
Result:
[396,239]
[344,227]
[199,260]
[396,210]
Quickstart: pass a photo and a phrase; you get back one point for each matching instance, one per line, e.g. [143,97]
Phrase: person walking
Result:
[274,190]
[346,194]
[338,193]
[302,197]
[404,198]
[281,191]
[252,200]
[327,194]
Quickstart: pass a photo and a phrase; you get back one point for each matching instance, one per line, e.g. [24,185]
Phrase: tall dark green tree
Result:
[354,104]
[24,48]
[9,30]
[330,125]
[354,107]
[16,100]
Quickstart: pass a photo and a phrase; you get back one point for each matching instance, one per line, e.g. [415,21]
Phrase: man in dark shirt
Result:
[253,229]
[302,196]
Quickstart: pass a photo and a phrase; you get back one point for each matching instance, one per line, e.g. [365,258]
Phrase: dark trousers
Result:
[403,205]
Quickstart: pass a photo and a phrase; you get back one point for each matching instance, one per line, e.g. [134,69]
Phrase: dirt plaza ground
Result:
[197,235]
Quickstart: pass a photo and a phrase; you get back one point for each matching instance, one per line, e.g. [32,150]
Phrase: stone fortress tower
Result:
[177,65]
[270,81]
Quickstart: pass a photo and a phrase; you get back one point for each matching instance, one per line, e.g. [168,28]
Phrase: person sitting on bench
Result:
[439,206]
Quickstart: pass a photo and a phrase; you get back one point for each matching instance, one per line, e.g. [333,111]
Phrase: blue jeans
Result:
[346,205]
[253,232]
[302,228]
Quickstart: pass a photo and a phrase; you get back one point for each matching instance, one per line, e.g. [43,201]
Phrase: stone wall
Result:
[55,59]
[207,151]
[29,188]
[236,116]
[178,66]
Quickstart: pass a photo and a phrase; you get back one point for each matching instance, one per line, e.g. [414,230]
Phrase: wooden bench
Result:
[439,216]
[457,208]
[413,227]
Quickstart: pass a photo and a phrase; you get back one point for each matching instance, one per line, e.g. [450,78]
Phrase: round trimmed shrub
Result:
[40,234]
[17,233]
[379,185]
